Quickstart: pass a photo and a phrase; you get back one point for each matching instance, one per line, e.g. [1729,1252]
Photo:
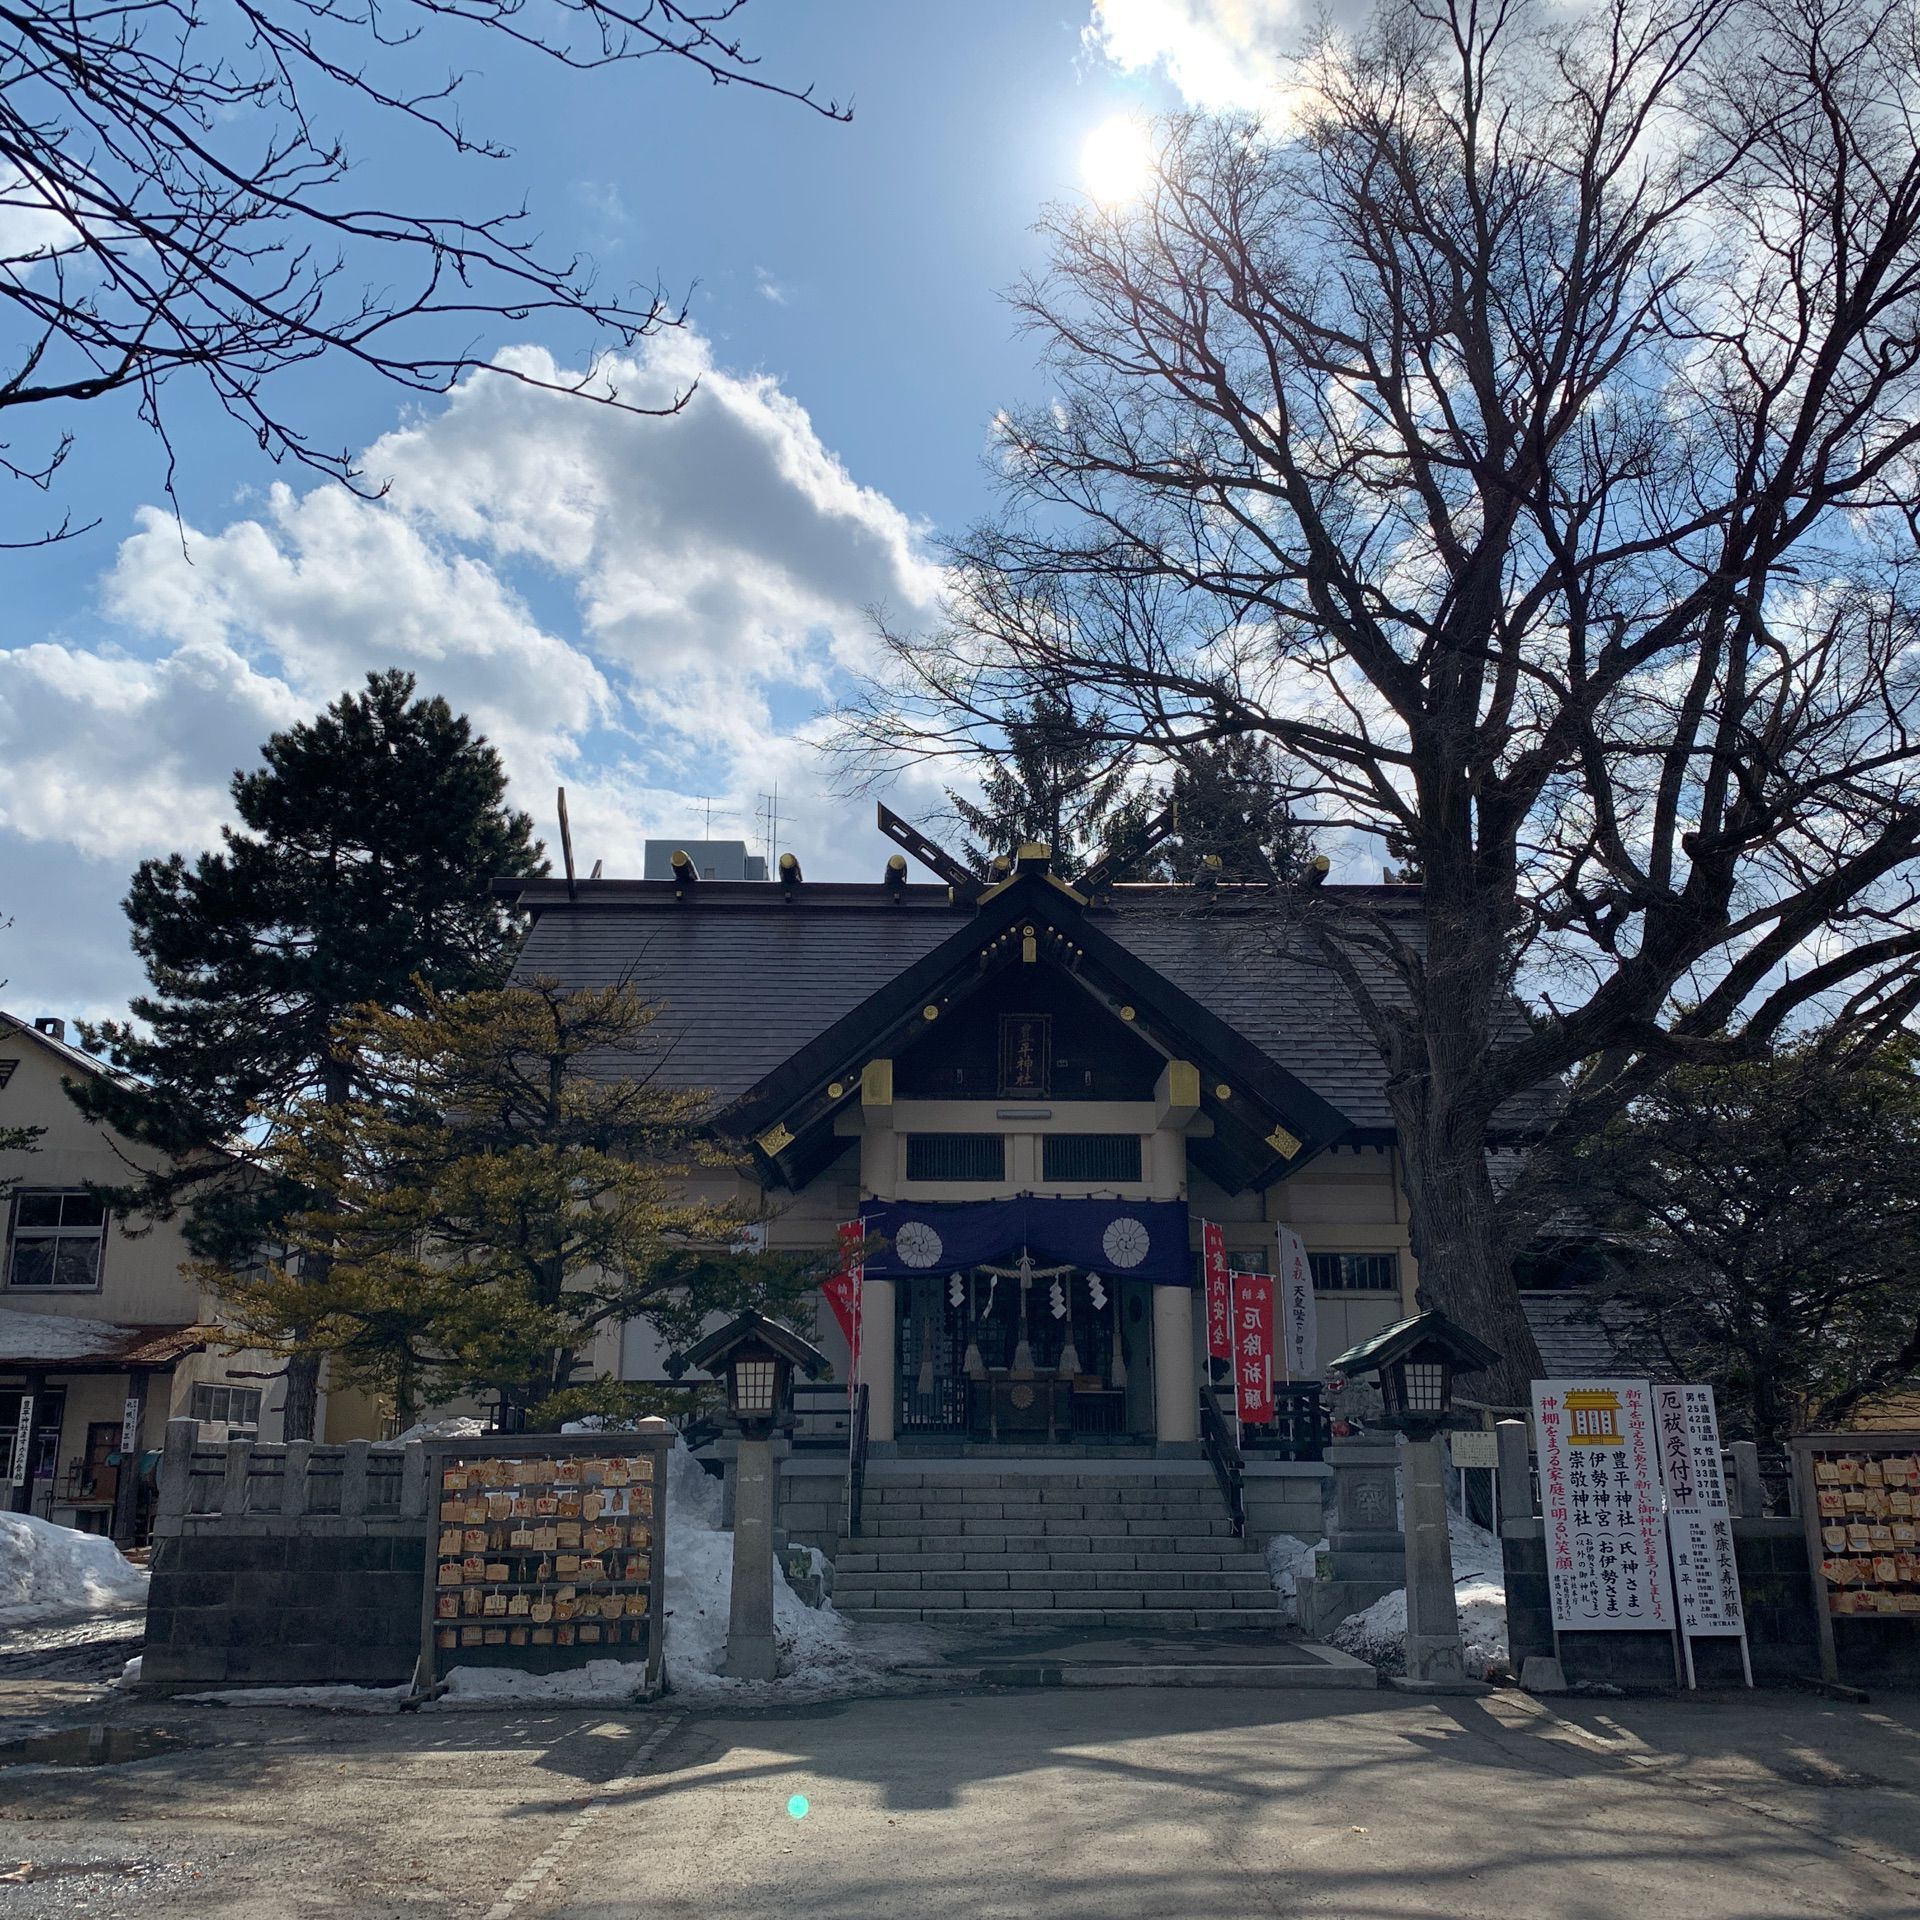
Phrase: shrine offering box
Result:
[545,1552]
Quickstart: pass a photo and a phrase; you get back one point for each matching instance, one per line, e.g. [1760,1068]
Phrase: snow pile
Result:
[54,1573]
[1290,1561]
[597,1680]
[339,1698]
[456,1426]
[1480,1591]
[815,1643]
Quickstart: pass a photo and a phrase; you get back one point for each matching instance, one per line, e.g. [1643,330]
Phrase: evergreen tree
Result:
[1229,801]
[360,873]
[1051,781]
[1765,1224]
[509,1177]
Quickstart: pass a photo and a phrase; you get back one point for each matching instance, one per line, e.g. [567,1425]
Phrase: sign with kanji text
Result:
[22,1442]
[1299,1322]
[1474,1448]
[1213,1269]
[1600,1499]
[1706,1573]
[843,1290]
[1253,1347]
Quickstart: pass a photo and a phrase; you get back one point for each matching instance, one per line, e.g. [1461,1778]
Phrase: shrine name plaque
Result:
[545,1553]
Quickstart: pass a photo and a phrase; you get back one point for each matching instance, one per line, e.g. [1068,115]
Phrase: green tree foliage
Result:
[1229,801]
[359,873]
[1049,780]
[511,1176]
[1769,1221]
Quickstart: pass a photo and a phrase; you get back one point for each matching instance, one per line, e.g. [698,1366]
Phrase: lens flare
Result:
[799,1806]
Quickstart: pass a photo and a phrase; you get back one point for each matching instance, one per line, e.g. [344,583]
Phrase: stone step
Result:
[987,1579]
[909,1536]
[973,1599]
[951,1557]
[1078,1518]
[1050,1620]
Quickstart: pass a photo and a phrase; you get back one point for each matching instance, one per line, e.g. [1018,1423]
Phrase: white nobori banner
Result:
[1298,1332]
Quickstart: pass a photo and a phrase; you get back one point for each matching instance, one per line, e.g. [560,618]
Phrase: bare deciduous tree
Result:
[174,200]
[1522,439]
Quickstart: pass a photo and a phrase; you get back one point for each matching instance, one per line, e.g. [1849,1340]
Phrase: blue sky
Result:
[651,611]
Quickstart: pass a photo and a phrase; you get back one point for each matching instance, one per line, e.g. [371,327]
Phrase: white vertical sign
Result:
[1600,1501]
[130,1424]
[1299,1330]
[23,1442]
[1706,1573]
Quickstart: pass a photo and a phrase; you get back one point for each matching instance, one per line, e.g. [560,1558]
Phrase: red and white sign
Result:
[1299,1322]
[1213,1265]
[843,1291]
[1253,1347]
[1600,1497]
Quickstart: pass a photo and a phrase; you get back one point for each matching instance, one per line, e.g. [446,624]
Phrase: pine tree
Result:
[360,873]
[1051,782]
[509,1177]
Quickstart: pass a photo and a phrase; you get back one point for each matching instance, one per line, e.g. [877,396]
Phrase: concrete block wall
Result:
[1285,1496]
[284,1609]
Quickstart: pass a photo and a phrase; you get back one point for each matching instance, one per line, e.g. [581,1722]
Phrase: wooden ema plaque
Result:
[1860,1502]
[545,1553]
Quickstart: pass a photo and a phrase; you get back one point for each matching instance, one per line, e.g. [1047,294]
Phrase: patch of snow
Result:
[56,1573]
[56,1336]
[820,1650]
[341,1698]
[598,1680]
[1289,1561]
[455,1426]
[130,1673]
[1379,1635]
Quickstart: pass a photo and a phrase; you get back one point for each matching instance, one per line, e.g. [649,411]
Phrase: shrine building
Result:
[1035,1088]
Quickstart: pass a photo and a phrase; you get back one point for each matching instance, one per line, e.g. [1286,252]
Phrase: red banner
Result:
[843,1290]
[1213,1264]
[1253,1347]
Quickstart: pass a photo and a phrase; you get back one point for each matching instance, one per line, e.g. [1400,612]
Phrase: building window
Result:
[226,1406]
[1355,1272]
[56,1244]
[956,1156]
[1099,1159]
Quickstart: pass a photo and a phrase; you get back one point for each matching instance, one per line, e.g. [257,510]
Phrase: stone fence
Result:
[285,1565]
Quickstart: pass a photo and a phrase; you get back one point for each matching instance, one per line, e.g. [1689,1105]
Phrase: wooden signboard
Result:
[545,1553]
[1860,1503]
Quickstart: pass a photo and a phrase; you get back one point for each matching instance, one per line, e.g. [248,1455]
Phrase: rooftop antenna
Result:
[770,814]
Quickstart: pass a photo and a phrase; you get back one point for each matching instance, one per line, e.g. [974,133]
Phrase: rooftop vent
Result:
[712,860]
[52,1028]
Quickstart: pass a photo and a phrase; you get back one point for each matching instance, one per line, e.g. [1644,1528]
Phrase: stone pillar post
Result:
[1433,1619]
[877,1356]
[1176,1393]
[750,1651]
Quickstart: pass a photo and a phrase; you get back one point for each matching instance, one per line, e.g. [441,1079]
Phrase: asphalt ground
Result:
[1074,1805]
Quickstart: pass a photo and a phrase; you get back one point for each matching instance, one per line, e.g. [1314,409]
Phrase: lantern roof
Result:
[1468,1353]
[709,1353]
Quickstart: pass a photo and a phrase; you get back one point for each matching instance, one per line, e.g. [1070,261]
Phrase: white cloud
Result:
[1219,54]
[645,608]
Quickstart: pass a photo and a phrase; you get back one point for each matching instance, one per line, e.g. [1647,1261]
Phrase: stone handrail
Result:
[255,1486]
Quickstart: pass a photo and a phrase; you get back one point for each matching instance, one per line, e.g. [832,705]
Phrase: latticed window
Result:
[1099,1159]
[956,1156]
[1355,1272]
[226,1406]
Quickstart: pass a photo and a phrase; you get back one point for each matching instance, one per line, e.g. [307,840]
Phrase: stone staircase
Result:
[1046,1545]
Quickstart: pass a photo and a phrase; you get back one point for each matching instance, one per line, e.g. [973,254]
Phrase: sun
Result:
[1117,160]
